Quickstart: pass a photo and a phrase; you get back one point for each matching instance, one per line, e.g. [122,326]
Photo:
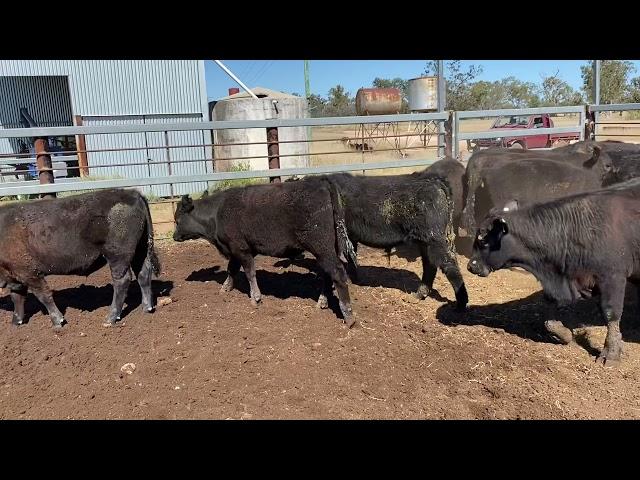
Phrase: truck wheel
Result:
[516,146]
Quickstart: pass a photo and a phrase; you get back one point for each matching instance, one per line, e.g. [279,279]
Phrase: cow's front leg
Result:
[554,327]
[18,296]
[232,269]
[43,293]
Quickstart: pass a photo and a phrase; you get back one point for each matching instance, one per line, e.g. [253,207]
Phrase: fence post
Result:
[43,162]
[81,149]
[448,137]
[456,131]
[166,144]
[589,125]
[273,150]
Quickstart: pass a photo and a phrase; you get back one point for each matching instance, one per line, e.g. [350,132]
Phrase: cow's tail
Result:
[151,252]
[468,220]
[344,245]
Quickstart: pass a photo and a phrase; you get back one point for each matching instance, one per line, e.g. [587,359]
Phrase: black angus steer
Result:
[280,220]
[575,246]
[388,211]
[77,235]
[585,155]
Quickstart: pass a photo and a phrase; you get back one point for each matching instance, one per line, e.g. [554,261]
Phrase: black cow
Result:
[77,235]
[387,211]
[531,181]
[583,155]
[280,220]
[575,246]
[624,168]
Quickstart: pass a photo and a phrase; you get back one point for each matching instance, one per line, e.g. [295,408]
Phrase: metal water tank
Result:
[423,94]
[378,101]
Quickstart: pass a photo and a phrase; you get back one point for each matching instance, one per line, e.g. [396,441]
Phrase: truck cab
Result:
[521,122]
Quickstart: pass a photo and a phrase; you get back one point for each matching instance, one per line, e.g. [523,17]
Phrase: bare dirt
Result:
[204,354]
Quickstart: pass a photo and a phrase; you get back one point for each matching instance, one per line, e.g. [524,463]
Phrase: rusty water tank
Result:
[378,101]
[423,94]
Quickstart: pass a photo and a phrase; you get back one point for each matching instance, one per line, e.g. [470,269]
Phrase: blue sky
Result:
[288,75]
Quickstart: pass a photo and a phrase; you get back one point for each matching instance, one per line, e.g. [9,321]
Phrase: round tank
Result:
[378,101]
[227,141]
[423,94]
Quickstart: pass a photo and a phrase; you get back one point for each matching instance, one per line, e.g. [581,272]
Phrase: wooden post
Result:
[273,150]
[448,136]
[43,161]
[81,147]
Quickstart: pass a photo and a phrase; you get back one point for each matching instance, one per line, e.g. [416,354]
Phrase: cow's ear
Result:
[186,203]
[595,154]
[501,226]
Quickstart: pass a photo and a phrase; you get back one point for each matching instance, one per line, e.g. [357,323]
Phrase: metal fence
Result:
[602,122]
[459,136]
[20,172]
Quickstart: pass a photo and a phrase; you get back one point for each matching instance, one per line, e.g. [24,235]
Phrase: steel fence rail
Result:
[219,125]
[209,177]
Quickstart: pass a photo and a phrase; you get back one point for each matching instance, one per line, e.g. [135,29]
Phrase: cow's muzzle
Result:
[478,268]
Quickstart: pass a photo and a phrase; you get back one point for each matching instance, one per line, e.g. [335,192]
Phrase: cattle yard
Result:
[213,355]
[207,354]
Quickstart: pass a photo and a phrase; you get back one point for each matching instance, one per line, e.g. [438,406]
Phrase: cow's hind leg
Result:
[612,290]
[120,277]
[249,266]
[443,258]
[143,271]
[41,290]
[232,269]
[428,274]
[18,296]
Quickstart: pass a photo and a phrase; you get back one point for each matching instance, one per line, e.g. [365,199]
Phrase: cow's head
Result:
[488,254]
[598,156]
[187,225]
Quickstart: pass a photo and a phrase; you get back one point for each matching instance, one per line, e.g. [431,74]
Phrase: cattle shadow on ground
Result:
[282,285]
[373,276]
[88,298]
[525,318]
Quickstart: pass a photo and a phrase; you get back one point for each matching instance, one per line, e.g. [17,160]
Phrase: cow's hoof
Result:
[150,309]
[322,302]
[609,357]
[421,293]
[59,325]
[558,331]
[350,321]
[17,321]
[255,302]
[226,287]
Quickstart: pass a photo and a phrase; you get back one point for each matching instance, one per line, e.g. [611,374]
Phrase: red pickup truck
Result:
[518,122]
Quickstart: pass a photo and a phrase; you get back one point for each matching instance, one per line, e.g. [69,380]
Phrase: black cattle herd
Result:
[570,216]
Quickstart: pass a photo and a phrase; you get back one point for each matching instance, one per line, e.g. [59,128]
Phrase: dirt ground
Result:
[208,355]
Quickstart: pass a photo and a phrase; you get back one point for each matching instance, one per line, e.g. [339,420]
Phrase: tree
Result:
[613,80]
[339,103]
[519,94]
[317,105]
[458,82]
[557,92]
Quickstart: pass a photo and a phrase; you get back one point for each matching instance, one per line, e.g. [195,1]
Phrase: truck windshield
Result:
[511,121]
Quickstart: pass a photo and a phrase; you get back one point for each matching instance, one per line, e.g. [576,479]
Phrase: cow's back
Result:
[64,235]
